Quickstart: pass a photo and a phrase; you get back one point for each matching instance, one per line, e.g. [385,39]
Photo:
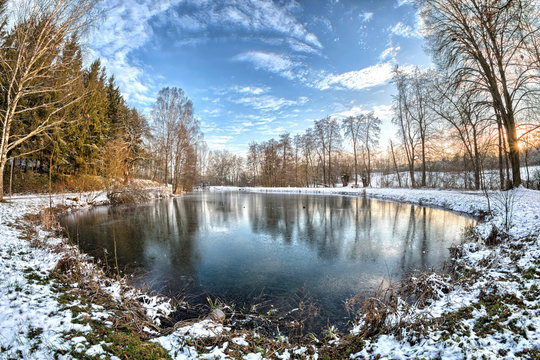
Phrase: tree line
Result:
[478,111]
[60,117]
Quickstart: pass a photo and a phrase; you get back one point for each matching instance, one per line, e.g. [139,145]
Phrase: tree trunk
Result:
[355,165]
[12,164]
[395,163]
[166,179]
[330,179]
[2,167]
[514,152]
[526,153]
[501,165]
[423,161]
[411,171]
[507,184]
[476,162]
[368,166]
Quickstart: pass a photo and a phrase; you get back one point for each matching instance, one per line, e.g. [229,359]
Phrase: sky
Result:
[255,69]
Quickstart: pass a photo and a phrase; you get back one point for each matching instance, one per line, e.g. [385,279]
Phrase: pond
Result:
[271,249]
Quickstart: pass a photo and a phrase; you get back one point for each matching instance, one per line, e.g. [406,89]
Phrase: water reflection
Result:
[237,245]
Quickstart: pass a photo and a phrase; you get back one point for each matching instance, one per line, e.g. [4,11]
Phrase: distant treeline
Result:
[478,111]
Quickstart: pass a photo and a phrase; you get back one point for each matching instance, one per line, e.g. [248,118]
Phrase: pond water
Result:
[277,249]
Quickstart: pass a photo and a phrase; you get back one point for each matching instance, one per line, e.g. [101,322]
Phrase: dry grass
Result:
[34,182]
[91,280]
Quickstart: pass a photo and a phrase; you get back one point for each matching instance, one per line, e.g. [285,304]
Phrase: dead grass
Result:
[34,182]
[74,267]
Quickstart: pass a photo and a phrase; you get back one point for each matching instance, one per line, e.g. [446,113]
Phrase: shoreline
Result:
[177,343]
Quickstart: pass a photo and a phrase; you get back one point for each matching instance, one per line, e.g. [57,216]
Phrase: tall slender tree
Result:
[30,58]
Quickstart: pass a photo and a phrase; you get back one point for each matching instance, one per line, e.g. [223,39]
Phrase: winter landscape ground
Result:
[488,307]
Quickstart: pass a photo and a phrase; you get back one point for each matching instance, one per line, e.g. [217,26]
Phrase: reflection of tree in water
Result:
[418,238]
[318,221]
[221,209]
[362,246]
[358,236]
[155,237]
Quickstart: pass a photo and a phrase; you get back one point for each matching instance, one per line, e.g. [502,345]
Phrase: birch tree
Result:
[33,39]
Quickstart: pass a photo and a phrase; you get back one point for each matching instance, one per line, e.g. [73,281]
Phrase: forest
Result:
[472,122]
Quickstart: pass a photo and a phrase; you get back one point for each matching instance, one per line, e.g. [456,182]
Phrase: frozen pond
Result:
[278,249]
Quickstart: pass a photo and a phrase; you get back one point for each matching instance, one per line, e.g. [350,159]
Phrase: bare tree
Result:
[352,126]
[253,163]
[467,116]
[286,155]
[225,168]
[308,149]
[364,131]
[485,44]
[173,118]
[403,120]
[30,61]
[370,133]
[329,137]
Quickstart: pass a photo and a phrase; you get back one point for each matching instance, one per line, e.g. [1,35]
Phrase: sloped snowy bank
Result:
[37,319]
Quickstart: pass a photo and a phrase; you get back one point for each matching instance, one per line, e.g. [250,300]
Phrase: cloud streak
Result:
[269,103]
[124,28]
[272,62]
[262,18]
[400,29]
[368,77]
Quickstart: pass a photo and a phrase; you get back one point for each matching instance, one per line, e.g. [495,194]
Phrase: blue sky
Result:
[257,68]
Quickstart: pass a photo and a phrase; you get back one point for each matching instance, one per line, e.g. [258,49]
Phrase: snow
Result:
[499,274]
[34,324]
[240,341]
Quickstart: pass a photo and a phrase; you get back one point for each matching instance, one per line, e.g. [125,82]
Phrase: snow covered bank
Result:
[42,317]
[489,308]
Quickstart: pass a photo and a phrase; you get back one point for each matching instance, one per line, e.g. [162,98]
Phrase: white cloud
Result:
[130,19]
[403,2]
[247,17]
[217,141]
[371,76]
[208,127]
[269,61]
[126,27]
[255,90]
[400,29]
[383,112]
[390,53]
[211,112]
[273,131]
[366,16]
[269,103]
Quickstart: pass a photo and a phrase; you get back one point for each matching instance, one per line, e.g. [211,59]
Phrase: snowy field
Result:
[452,180]
[498,306]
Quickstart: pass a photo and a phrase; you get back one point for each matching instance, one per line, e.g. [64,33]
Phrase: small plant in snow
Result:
[331,332]
[504,202]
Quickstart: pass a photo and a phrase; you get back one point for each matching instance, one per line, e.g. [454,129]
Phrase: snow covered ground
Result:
[491,310]
[39,318]
[452,180]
